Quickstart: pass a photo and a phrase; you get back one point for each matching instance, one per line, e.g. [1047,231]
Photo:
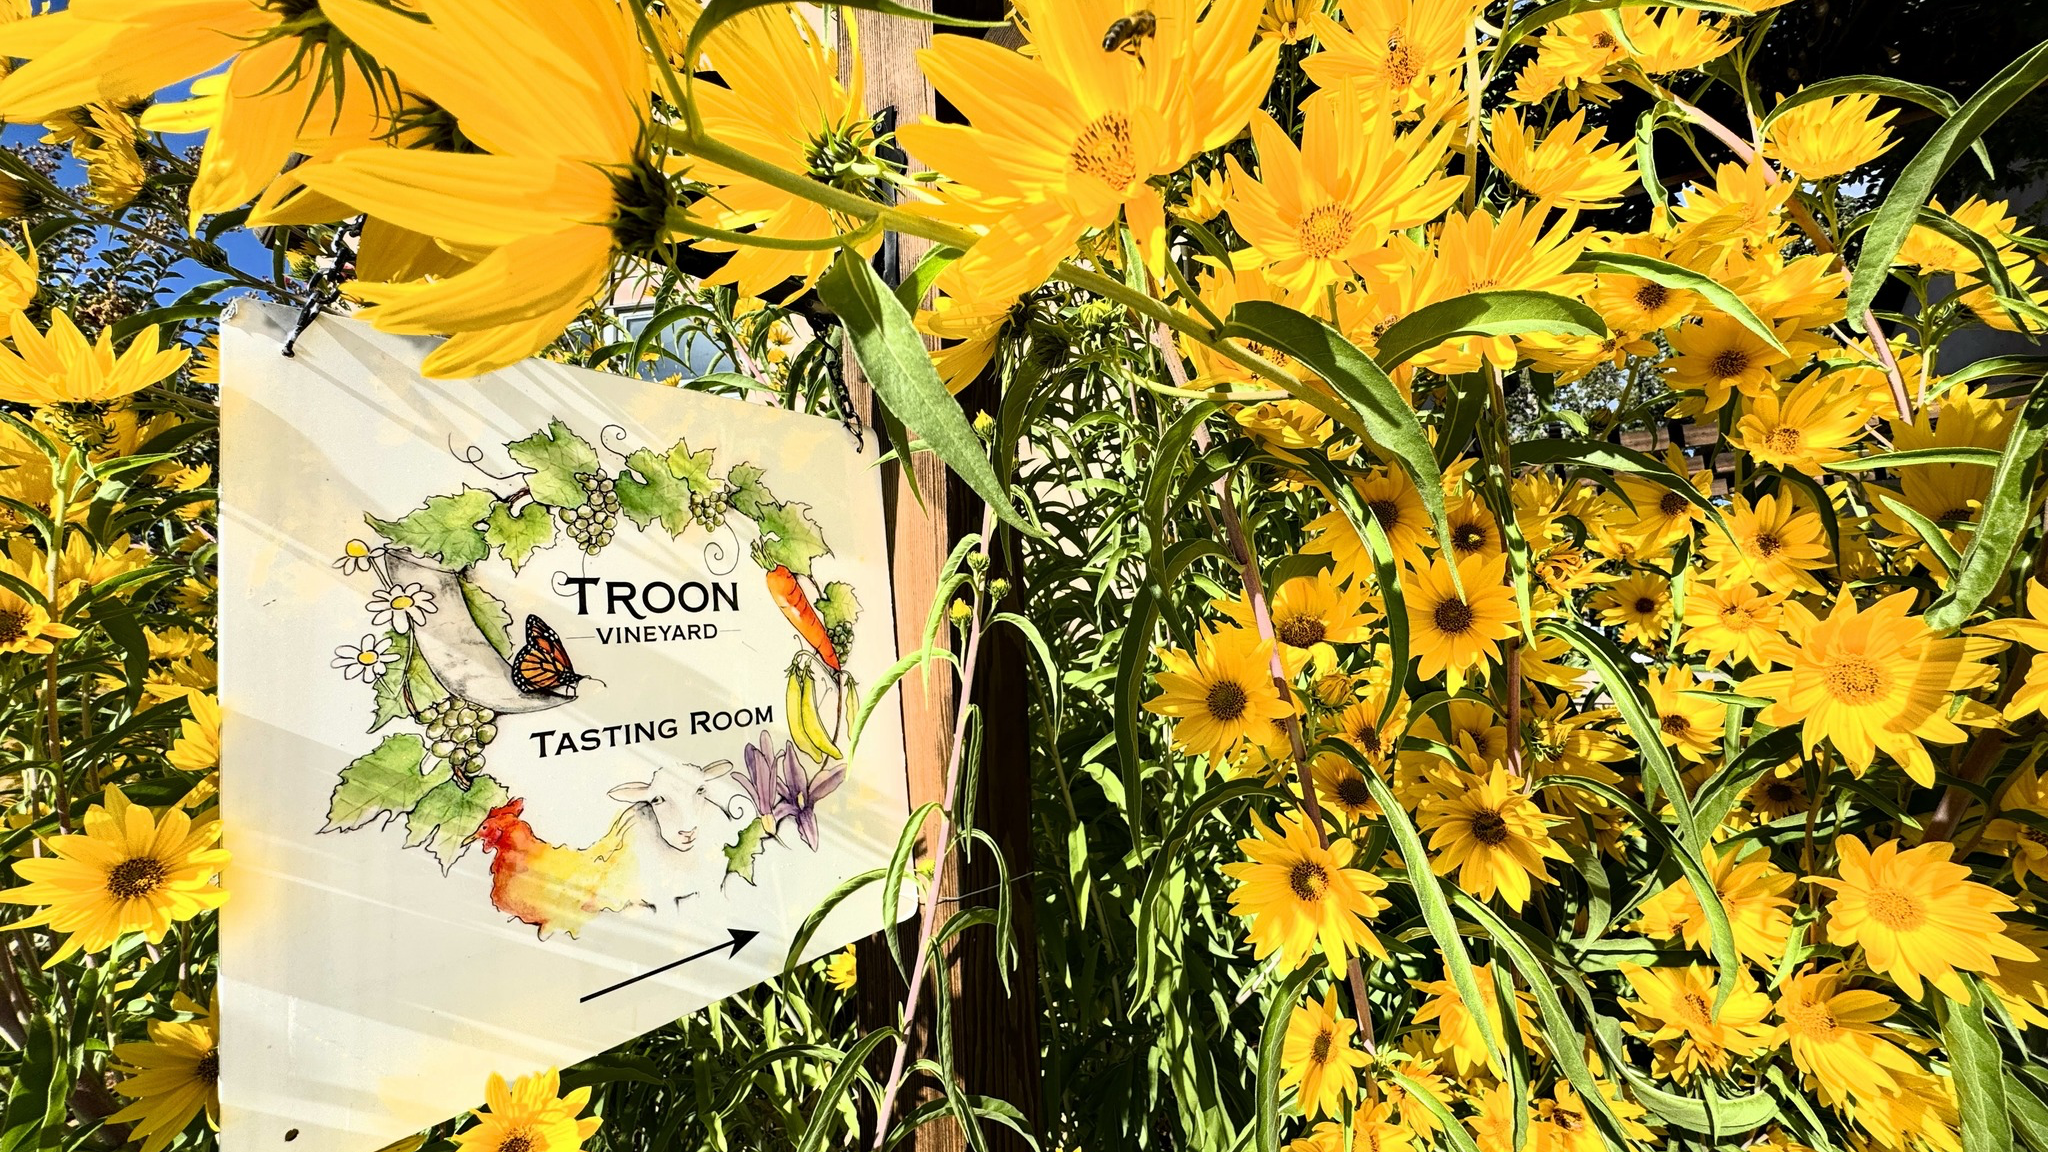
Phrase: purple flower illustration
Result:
[797,795]
[761,779]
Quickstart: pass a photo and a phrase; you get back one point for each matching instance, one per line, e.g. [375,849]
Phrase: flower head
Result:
[1675,1010]
[1459,632]
[365,661]
[1491,834]
[62,367]
[1823,139]
[401,607]
[1318,1059]
[1303,897]
[529,1115]
[1222,695]
[171,1078]
[1917,915]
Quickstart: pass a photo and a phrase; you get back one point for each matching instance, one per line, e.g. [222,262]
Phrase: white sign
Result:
[538,695]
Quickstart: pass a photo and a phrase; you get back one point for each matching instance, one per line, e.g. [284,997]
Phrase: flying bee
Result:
[1129,33]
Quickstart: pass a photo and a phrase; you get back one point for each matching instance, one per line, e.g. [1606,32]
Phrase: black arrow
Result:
[740,938]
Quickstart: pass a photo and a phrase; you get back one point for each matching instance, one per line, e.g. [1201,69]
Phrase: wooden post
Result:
[995,1035]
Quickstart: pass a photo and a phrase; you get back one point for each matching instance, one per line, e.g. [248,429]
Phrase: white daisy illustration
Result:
[401,606]
[356,557]
[365,661]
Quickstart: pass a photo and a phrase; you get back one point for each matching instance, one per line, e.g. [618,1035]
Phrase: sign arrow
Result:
[740,938]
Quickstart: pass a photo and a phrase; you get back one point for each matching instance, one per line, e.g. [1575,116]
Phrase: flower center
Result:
[1736,618]
[1645,605]
[1273,354]
[1468,538]
[1352,792]
[1651,296]
[1730,362]
[1453,617]
[401,603]
[1367,736]
[1783,441]
[357,549]
[136,878]
[1675,725]
[1896,910]
[1854,679]
[1402,67]
[207,1071]
[1299,631]
[1767,544]
[1227,700]
[1319,1052]
[1325,229]
[13,625]
[366,657]
[1672,504]
[1309,881]
[1813,1020]
[1780,792]
[1567,1120]
[1103,150]
[1386,512]
[518,1140]
[1603,40]
[1490,829]
[1955,514]
[1696,1009]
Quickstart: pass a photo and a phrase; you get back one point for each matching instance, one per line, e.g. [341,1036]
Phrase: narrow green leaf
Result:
[893,356]
[1271,1042]
[1895,218]
[825,1114]
[1674,276]
[1977,1067]
[2003,520]
[1498,313]
[1622,680]
[1911,457]
[1930,532]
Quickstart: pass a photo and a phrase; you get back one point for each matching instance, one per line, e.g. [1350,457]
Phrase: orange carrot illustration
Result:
[789,596]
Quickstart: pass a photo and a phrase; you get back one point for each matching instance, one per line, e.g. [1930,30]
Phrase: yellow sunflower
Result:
[1752,893]
[1689,723]
[128,872]
[1374,1128]
[1309,614]
[1812,425]
[1639,605]
[18,273]
[1317,1057]
[1733,621]
[2032,631]
[1777,543]
[1071,137]
[1917,915]
[1360,726]
[1390,496]
[1342,788]
[1775,795]
[1719,356]
[1490,833]
[1353,181]
[2024,792]
[1474,531]
[1836,1035]
[1564,1123]
[842,971]
[1876,680]
[1568,168]
[1454,634]
[1674,1009]
[1457,1033]
[1302,897]
[1222,695]
[173,1077]
[1392,48]
[1663,40]
[529,1115]
[1823,139]
[63,367]
[198,746]
[560,189]
[25,626]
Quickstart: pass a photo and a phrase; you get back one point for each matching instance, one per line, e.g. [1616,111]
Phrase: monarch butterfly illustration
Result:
[543,664]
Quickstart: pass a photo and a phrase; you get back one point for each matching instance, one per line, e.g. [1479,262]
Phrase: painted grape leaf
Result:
[741,853]
[749,495]
[446,819]
[692,468]
[789,538]
[837,604]
[390,687]
[491,617]
[382,782]
[556,456]
[661,496]
[516,537]
[445,528]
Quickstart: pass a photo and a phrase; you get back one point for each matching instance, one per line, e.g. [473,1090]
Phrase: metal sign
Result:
[540,694]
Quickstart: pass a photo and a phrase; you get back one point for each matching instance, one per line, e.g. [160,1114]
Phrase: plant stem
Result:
[929,921]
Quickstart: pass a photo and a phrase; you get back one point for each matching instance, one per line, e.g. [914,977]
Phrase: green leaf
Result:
[1497,313]
[1911,457]
[557,456]
[692,468]
[1978,1070]
[789,538]
[1672,275]
[825,1114]
[2004,519]
[749,496]
[1930,532]
[490,616]
[1372,406]
[816,919]
[893,356]
[2029,1115]
[649,492]
[1995,366]
[446,819]
[1621,678]
[1721,791]
[745,849]
[517,537]
[1894,219]
[382,783]
[836,604]
[1272,1042]
[408,672]
[445,528]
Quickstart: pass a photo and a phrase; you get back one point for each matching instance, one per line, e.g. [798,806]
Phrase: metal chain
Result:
[323,288]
